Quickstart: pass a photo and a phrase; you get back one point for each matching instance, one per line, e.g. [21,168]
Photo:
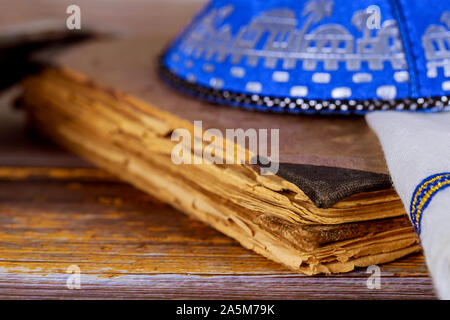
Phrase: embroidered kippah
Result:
[424,193]
[316,56]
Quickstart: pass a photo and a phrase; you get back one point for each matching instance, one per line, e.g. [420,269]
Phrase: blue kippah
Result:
[316,56]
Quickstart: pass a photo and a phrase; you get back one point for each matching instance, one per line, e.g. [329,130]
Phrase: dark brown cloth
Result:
[326,186]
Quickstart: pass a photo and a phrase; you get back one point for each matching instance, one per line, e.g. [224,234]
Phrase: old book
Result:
[329,208]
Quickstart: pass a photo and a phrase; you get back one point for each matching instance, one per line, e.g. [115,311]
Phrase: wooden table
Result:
[59,213]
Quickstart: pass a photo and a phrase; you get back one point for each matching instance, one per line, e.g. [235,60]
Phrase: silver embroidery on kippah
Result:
[253,86]
[208,68]
[321,77]
[191,78]
[298,91]
[216,83]
[446,85]
[280,76]
[436,43]
[290,42]
[341,93]
[387,92]
[401,76]
[237,72]
[361,77]
[329,46]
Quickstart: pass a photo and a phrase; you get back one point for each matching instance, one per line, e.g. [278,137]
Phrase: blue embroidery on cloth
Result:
[424,193]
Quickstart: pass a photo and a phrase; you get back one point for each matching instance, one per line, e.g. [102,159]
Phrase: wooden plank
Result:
[130,139]
[37,207]
[140,248]
[128,245]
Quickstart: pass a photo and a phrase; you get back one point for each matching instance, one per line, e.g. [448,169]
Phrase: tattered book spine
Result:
[267,214]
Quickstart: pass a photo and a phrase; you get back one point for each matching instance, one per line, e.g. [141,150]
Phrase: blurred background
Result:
[121,16]
[57,209]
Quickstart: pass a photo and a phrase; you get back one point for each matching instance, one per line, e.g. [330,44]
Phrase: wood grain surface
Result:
[57,210]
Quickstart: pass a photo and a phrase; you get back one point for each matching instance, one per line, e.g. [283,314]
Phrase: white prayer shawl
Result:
[417,151]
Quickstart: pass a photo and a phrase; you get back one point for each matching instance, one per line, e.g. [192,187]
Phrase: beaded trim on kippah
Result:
[424,193]
[296,105]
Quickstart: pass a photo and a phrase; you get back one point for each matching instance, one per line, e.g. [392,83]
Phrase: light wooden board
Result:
[36,206]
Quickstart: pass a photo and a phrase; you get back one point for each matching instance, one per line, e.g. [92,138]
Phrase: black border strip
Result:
[298,105]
